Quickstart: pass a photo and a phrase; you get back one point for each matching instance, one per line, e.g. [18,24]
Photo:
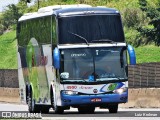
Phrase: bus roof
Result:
[65,10]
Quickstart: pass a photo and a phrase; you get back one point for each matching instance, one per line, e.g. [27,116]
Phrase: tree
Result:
[10,16]
[153,30]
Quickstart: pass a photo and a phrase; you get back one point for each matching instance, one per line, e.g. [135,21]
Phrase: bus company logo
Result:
[95,91]
[71,87]
[78,55]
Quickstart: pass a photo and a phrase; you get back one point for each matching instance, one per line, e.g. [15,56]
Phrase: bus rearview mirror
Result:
[56,58]
[132,55]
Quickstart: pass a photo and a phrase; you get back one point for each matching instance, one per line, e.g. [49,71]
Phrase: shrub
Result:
[133,37]
[133,17]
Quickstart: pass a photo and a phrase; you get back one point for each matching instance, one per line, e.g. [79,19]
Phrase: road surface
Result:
[100,114]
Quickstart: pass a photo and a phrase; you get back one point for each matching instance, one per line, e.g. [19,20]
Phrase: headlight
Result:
[120,90]
[69,92]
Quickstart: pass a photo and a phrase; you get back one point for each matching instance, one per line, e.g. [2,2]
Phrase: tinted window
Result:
[93,27]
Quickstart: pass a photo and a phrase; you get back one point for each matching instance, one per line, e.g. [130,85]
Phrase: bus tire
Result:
[113,108]
[52,98]
[27,99]
[59,110]
[27,93]
[32,107]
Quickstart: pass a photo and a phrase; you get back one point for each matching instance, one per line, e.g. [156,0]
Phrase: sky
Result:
[4,3]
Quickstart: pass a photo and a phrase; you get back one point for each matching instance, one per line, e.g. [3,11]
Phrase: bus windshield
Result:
[92,27]
[93,64]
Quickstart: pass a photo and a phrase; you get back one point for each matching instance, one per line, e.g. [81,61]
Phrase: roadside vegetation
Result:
[147,54]
[8,50]
[140,18]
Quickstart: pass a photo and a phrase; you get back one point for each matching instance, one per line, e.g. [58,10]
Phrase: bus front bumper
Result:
[69,100]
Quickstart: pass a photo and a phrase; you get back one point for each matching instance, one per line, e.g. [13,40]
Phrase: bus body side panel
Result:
[22,80]
[35,58]
[40,74]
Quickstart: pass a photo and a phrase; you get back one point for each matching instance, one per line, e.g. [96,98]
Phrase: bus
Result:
[73,56]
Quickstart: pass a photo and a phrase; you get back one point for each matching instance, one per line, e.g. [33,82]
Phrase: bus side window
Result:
[54,36]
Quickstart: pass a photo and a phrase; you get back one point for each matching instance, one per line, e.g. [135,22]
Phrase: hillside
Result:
[8,51]
[148,53]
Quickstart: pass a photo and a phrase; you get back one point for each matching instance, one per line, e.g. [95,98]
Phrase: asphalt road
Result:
[101,114]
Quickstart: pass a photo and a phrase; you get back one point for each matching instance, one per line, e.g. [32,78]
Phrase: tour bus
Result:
[73,56]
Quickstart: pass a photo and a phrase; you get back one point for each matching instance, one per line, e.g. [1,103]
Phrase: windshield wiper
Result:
[82,38]
[103,41]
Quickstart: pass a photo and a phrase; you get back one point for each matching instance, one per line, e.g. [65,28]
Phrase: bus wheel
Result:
[113,108]
[27,99]
[31,105]
[59,110]
[27,96]
[52,100]
[86,110]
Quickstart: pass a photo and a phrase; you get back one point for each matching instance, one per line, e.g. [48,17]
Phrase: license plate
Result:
[96,100]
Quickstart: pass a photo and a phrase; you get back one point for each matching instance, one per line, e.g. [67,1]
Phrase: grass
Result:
[146,54]
[8,51]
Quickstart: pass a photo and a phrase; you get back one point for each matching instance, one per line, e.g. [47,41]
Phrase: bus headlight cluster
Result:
[120,90]
[69,92]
